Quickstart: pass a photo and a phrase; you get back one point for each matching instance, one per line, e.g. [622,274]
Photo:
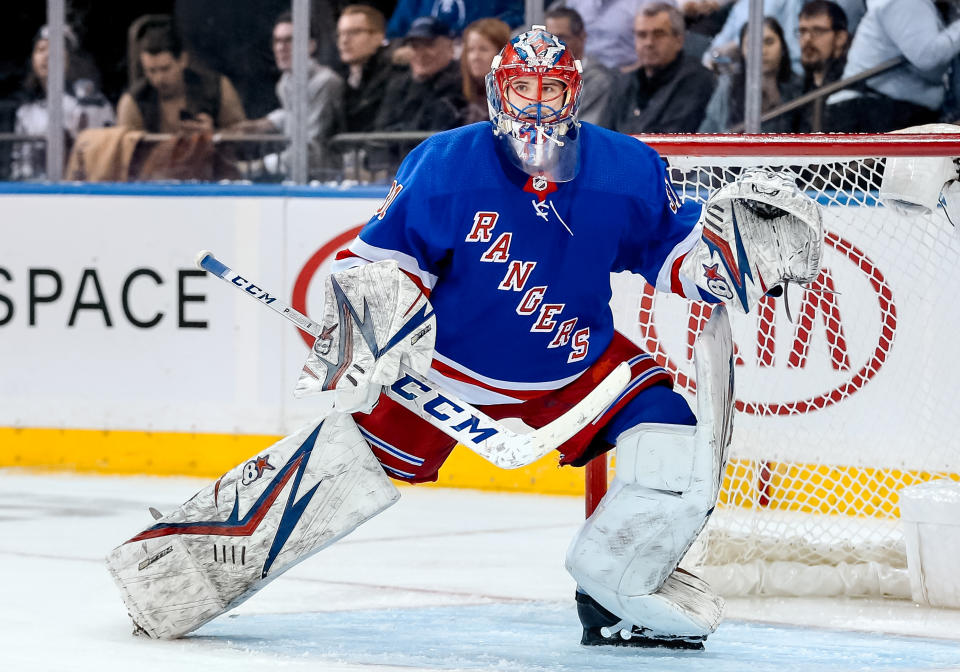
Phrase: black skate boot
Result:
[596,620]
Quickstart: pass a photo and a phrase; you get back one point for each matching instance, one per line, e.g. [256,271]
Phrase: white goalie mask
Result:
[533,94]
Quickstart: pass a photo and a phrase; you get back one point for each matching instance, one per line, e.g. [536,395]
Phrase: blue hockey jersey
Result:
[518,268]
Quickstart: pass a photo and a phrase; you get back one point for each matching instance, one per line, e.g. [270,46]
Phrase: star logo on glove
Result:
[716,283]
[262,463]
[712,272]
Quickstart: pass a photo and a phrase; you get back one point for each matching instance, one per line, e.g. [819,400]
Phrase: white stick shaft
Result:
[209,263]
[456,418]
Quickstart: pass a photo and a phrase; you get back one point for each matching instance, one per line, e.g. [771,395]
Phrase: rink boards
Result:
[120,356]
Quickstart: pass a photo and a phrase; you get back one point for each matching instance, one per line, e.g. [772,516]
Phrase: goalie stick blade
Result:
[588,409]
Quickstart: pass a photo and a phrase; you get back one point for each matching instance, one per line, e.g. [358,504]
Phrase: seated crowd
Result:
[649,66]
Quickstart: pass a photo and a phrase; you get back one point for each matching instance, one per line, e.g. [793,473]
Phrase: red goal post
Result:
[839,409]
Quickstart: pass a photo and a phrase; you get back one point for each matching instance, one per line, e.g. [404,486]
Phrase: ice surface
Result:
[445,580]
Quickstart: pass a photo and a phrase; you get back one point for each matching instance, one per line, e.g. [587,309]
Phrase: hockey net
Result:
[842,406]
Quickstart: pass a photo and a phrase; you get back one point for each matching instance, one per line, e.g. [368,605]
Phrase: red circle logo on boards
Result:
[299,299]
[819,318]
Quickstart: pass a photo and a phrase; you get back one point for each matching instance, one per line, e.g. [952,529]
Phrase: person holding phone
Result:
[174,97]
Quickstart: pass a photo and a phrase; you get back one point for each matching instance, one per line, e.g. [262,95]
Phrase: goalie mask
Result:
[533,93]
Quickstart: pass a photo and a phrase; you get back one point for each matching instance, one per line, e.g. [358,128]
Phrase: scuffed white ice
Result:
[445,580]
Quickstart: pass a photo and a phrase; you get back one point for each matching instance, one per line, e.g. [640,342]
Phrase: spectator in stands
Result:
[610,24]
[822,30]
[598,79]
[385,7]
[325,91]
[482,40]
[705,17]
[361,32]
[668,91]
[951,102]
[428,95]
[234,39]
[173,97]
[910,94]
[779,84]
[457,14]
[83,107]
[787,13]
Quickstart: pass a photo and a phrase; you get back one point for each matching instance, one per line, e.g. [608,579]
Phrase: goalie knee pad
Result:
[254,523]
[665,487]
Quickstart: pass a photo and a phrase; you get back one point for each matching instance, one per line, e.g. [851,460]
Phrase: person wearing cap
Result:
[428,95]
[83,107]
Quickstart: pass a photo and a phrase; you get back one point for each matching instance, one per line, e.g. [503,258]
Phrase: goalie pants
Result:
[411,449]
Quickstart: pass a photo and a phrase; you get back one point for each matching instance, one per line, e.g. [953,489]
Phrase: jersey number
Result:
[395,189]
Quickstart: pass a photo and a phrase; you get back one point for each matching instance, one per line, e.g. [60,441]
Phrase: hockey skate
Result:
[601,628]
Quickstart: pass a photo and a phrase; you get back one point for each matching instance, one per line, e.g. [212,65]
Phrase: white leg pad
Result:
[666,485]
[684,606]
[626,552]
[258,520]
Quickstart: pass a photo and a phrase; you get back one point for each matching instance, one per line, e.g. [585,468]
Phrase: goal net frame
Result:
[839,408]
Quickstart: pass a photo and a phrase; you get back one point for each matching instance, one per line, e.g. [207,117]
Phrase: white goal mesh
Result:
[846,404]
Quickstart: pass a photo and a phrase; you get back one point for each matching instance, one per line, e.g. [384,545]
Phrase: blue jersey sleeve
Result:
[412,226]
[662,230]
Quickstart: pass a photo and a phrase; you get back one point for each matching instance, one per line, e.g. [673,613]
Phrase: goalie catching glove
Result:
[374,318]
[759,232]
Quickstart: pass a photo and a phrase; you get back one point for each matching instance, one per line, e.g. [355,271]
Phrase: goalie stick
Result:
[490,439]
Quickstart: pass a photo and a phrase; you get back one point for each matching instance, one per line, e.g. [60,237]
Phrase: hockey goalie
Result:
[487,272]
